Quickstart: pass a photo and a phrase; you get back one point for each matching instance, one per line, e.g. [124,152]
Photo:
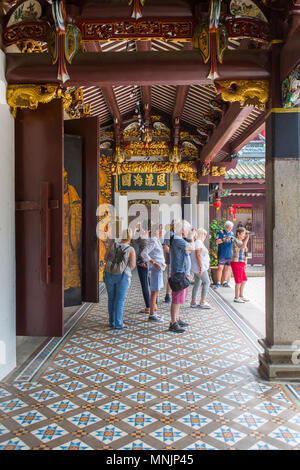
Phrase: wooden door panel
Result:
[88,129]
[39,220]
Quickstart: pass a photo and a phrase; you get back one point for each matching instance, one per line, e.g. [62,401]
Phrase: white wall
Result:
[7,233]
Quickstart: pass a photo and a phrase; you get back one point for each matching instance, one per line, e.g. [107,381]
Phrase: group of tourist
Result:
[179,251]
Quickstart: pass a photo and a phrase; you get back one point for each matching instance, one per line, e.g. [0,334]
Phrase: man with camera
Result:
[224,238]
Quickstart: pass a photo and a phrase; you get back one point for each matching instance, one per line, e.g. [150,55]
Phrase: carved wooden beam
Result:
[233,118]
[141,68]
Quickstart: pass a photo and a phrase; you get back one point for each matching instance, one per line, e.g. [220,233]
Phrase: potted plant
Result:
[215,226]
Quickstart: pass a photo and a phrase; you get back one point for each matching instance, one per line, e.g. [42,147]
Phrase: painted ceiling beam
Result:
[230,123]
[140,68]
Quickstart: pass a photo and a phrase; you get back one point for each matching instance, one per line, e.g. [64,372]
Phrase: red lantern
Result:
[218,204]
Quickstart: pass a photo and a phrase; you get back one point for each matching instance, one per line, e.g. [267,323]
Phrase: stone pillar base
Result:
[279,362]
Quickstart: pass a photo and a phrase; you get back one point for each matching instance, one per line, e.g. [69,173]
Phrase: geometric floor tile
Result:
[190,397]
[4,393]
[125,357]
[227,435]
[73,445]
[141,397]
[199,445]
[250,420]
[295,419]
[260,445]
[3,430]
[43,395]
[63,406]
[168,434]
[230,378]
[13,444]
[114,407]
[56,377]
[49,432]
[12,405]
[238,397]
[83,419]
[91,396]
[30,417]
[99,377]
[146,388]
[286,435]
[108,434]
[194,420]
[122,370]
[139,420]
[164,387]
[257,387]
[136,445]
[118,387]
[186,378]
[73,386]
[211,387]
[142,378]
[270,408]
[25,386]
[163,370]
[218,407]
[166,408]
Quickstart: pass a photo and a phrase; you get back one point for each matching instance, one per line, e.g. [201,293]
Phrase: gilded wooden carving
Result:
[247,92]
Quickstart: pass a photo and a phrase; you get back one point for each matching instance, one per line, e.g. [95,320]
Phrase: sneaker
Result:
[245,299]
[155,318]
[217,285]
[168,299]
[182,323]
[239,301]
[194,305]
[176,328]
[225,284]
[205,306]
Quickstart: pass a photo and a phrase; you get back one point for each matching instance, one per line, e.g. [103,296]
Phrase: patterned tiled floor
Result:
[147,388]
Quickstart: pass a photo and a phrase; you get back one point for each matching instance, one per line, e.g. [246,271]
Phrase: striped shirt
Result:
[238,254]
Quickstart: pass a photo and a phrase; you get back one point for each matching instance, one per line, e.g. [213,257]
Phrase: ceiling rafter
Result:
[230,122]
[249,134]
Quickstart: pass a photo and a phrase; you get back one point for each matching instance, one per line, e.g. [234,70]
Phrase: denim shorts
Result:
[225,261]
[156,279]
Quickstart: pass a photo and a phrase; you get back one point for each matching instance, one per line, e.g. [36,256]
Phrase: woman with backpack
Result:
[120,261]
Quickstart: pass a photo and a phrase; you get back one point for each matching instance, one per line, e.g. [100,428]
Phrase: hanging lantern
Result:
[231,211]
[218,204]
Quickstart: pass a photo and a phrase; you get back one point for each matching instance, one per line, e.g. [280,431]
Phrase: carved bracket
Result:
[247,92]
